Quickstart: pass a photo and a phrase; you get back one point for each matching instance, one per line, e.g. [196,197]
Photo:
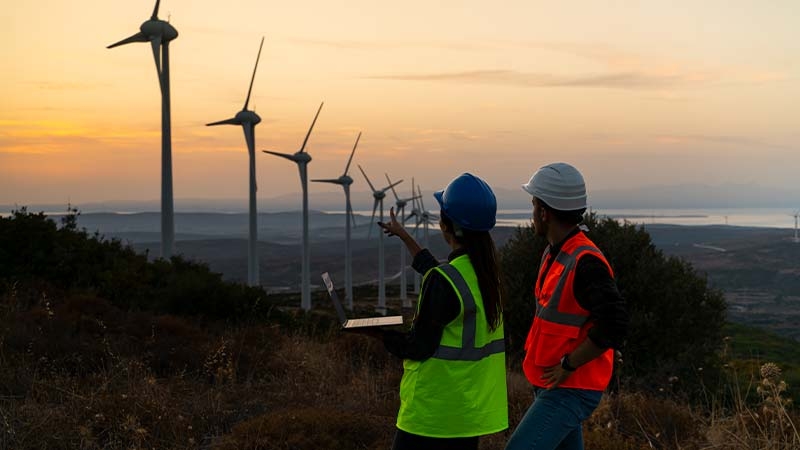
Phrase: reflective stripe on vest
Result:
[467,351]
[550,312]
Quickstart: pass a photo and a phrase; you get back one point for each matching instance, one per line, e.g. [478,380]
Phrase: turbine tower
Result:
[159,33]
[379,195]
[796,216]
[302,158]
[401,209]
[248,120]
[345,181]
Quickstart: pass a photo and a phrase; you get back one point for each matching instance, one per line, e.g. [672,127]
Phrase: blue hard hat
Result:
[469,202]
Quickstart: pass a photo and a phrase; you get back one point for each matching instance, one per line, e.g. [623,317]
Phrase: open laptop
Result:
[357,323]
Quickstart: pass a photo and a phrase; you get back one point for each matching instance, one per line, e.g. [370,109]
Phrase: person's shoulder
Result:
[590,258]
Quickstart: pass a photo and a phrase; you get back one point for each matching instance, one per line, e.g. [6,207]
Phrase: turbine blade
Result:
[138,37]
[329,180]
[349,206]
[253,78]
[347,167]
[155,10]
[421,202]
[282,155]
[392,186]
[232,121]
[371,220]
[311,128]
[303,176]
[155,42]
[250,137]
[366,177]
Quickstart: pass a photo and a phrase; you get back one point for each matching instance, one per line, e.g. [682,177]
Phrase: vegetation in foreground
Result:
[99,349]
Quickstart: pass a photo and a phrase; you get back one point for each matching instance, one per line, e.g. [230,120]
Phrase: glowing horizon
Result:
[652,94]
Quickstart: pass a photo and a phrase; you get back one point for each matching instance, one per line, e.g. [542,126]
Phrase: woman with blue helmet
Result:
[453,388]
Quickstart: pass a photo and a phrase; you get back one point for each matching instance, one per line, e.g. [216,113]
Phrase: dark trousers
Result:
[408,441]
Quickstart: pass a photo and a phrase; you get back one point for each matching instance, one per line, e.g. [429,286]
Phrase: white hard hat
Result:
[559,185]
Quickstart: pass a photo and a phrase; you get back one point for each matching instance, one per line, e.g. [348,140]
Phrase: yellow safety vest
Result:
[461,390]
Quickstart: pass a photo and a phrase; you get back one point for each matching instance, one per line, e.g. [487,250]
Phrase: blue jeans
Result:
[554,420]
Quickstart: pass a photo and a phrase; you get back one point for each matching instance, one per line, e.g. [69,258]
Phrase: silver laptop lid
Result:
[334,297]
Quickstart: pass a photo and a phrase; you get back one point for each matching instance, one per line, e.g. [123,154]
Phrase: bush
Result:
[33,248]
[676,319]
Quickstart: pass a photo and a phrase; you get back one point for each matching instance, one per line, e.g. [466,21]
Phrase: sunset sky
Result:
[634,93]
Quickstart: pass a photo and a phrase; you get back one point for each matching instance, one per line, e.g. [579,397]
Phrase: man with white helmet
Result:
[580,317]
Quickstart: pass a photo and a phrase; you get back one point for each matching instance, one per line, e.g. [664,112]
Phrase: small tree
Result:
[676,319]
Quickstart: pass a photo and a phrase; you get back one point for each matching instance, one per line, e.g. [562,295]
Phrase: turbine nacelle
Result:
[246,116]
[402,202]
[302,157]
[154,28]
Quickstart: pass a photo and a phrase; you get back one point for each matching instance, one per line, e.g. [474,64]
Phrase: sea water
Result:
[740,217]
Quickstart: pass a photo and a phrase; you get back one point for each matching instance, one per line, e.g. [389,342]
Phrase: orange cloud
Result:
[56,136]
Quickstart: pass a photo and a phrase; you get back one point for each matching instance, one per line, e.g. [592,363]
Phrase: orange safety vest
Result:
[560,323]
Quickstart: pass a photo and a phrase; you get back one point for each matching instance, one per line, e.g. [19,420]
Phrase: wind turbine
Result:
[248,120]
[425,217]
[345,181]
[302,158]
[796,216]
[416,213]
[379,195]
[401,209]
[159,33]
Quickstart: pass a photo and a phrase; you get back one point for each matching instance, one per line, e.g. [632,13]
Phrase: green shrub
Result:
[34,250]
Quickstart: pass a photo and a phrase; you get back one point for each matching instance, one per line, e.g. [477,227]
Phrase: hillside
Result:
[102,349]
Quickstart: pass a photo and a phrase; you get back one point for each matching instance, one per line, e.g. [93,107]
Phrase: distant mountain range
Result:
[648,197]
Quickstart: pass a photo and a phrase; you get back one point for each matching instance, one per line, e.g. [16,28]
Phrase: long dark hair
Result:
[483,256]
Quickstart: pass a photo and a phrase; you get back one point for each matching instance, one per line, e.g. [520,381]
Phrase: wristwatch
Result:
[566,365]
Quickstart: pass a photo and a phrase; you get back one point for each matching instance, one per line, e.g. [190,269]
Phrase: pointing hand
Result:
[393,227]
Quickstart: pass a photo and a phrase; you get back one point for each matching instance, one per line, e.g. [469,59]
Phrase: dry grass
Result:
[770,424]
[75,372]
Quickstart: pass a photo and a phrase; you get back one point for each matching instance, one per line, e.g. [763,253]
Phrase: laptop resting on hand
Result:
[357,323]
